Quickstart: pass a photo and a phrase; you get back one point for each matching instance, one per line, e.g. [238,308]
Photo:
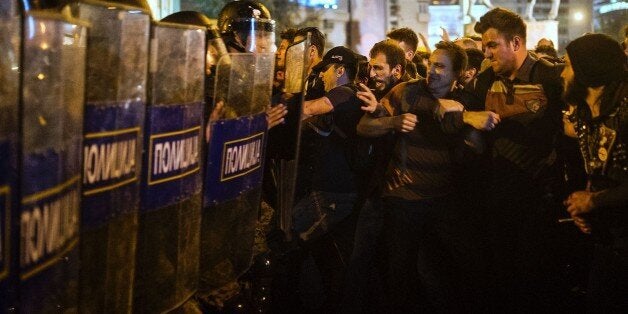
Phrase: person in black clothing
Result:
[314,89]
[432,252]
[334,188]
[597,91]
[522,177]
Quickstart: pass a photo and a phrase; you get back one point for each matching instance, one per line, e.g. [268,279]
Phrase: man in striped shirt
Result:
[430,244]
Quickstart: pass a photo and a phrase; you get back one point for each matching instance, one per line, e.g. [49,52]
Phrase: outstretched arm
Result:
[453,120]
[374,127]
[317,106]
[275,115]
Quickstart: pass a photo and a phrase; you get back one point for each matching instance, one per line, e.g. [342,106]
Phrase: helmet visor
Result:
[257,35]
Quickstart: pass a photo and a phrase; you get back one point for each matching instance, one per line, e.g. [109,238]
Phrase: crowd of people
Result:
[441,180]
[476,151]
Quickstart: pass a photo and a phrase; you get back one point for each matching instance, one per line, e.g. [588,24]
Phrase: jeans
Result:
[436,262]
[364,282]
[324,227]
[318,213]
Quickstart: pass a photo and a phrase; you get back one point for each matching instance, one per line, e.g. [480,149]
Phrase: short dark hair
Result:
[288,34]
[350,69]
[406,35]
[504,21]
[423,55]
[475,58]
[317,38]
[394,54]
[548,50]
[457,55]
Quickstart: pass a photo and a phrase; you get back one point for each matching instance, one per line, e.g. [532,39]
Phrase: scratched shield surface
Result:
[170,215]
[235,161]
[117,72]
[53,86]
[10,21]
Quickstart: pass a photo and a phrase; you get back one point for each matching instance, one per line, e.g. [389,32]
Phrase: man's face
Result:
[281,53]
[261,42]
[500,52]
[381,74]
[329,77]
[312,53]
[440,74]
[468,75]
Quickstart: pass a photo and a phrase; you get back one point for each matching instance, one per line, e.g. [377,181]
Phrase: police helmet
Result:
[247,26]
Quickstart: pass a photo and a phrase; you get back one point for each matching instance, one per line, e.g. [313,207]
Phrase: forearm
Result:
[374,127]
[317,106]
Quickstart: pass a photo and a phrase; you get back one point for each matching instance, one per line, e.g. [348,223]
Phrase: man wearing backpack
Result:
[523,180]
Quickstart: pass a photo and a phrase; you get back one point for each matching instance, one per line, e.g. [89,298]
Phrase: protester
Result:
[597,91]
[433,256]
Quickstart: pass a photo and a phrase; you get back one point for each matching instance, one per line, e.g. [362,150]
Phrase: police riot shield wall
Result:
[284,140]
[117,71]
[9,92]
[234,169]
[52,96]
[170,216]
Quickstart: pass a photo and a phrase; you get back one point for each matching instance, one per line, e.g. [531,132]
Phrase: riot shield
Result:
[285,139]
[215,46]
[117,71]
[170,215]
[9,93]
[216,50]
[52,95]
[233,177]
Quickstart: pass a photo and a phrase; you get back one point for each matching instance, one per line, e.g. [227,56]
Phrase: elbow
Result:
[362,127]
[361,130]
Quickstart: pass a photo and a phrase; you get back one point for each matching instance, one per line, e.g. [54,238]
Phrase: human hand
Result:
[579,203]
[445,34]
[481,120]
[405,122]
[368,98]
[275,115]
[217,114]
[218,111]
[448,105]
[582,224]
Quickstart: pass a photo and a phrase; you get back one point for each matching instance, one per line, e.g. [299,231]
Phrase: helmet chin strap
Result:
[237,46]
[231,41]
